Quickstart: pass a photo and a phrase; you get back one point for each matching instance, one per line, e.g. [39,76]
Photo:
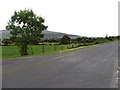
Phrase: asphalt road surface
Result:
[92,67]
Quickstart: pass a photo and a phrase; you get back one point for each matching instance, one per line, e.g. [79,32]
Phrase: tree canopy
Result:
[65,39]
[25,28]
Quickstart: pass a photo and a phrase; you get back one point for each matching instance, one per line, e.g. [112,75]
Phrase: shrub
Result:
[5,42]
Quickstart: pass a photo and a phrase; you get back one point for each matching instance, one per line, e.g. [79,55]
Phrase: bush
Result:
[5,42]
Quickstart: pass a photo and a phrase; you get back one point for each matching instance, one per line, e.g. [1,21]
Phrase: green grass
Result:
[10,52]
[13,51]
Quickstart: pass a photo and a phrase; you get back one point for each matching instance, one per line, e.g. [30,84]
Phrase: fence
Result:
[47,49]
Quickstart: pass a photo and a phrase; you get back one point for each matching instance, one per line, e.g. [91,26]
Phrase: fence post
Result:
[62,47]
[43,49]
[31,50]
[55,48]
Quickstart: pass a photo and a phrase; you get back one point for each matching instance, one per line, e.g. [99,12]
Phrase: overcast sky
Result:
[79,17]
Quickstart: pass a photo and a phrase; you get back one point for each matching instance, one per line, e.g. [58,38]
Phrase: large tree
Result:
[25,28]
[65,39]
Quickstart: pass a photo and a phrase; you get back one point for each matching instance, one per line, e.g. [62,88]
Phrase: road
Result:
[92,67]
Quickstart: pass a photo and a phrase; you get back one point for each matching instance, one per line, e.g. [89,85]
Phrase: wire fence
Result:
[46,49]
[13,51]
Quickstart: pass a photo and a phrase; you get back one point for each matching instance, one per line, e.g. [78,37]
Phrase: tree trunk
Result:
[23,49]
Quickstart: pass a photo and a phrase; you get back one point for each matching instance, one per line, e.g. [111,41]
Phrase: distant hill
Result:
[4,34]
[47,34]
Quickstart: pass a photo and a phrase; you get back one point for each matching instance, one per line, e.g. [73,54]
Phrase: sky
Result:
[92,18]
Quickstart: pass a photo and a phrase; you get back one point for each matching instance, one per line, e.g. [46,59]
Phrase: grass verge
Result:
[9,52]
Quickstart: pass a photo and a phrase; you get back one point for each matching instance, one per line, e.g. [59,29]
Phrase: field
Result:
[49,48]
[13,51]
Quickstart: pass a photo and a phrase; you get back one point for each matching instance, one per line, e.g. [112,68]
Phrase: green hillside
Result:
[47,34]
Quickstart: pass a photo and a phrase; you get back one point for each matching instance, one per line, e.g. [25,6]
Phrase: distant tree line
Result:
[67,40]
